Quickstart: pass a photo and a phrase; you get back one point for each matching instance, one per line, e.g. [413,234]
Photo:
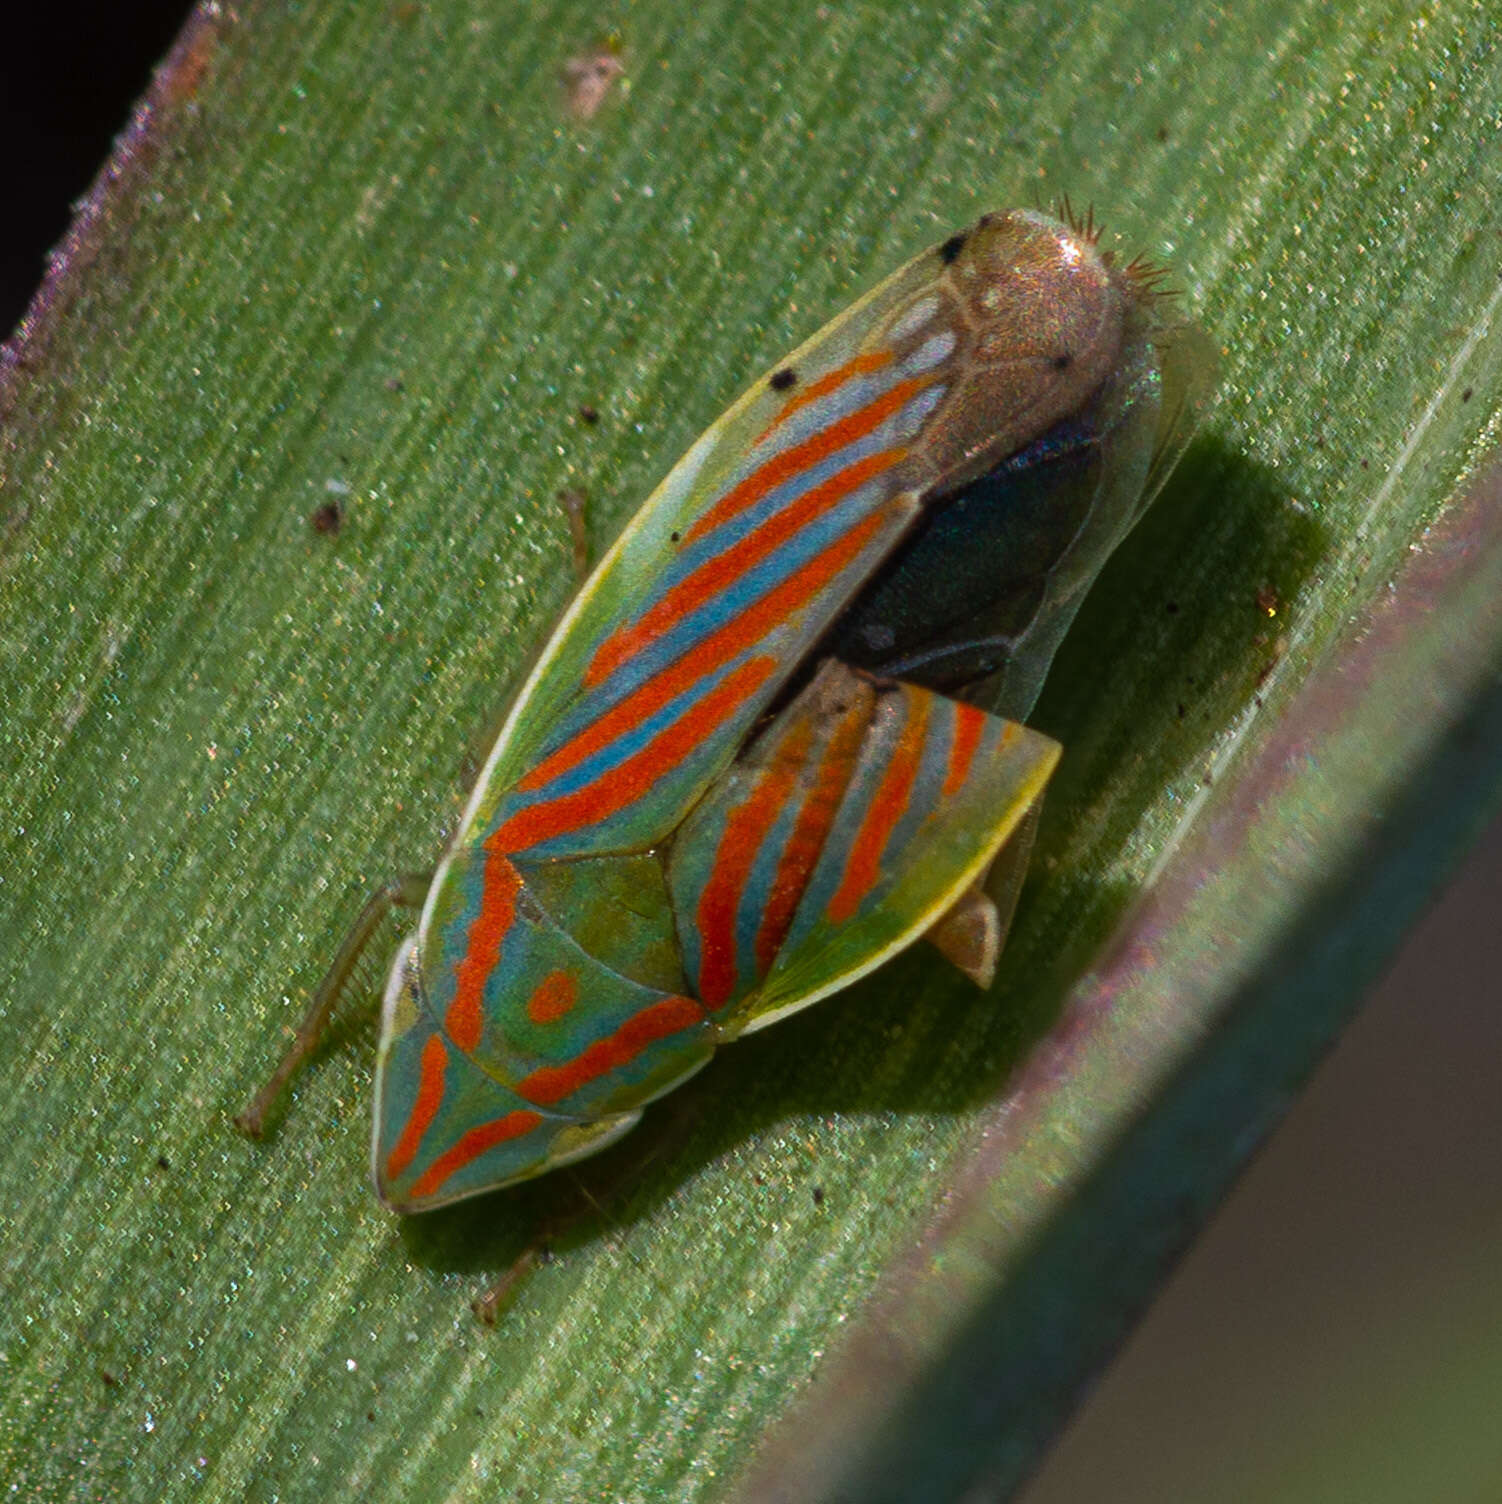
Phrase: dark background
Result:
[69,77]
[1337,1333]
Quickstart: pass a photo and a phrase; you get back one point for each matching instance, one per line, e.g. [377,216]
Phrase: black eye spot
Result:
[674,536]
[781,380]
[951,249]
[1062,362]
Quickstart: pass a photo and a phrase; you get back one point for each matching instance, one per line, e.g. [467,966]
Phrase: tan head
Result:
[1039,316]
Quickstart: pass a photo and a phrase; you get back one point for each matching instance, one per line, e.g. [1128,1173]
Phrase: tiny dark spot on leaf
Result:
[328,519]
[588,414]
[1182,710]
[1365,465]
[161,1162]
[1162,133]
[1172,607]
[818,1195]
[1465,396]
[1062,362]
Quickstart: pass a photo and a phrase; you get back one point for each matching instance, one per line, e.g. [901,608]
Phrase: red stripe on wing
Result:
[797,458]
[719,572]
[424,1109]
[832,381]
[863,865]
[632,778]
[712,652]
[806,843]
[471,1146]
[969,725]
[745,829]
[551,1083]
[465,1019]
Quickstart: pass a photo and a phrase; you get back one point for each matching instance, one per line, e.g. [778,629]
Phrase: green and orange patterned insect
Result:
[777,737]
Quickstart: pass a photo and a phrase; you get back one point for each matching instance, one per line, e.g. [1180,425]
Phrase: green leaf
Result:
[374,256]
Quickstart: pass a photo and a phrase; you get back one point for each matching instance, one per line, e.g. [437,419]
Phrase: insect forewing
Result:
[850,827]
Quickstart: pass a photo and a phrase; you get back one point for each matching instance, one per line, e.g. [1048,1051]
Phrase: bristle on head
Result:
[1148,275]
[1083,225]
[1145,273]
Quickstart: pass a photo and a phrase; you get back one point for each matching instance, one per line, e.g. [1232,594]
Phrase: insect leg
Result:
[574,502]
[593,1202]
[405,892]
[488,1307]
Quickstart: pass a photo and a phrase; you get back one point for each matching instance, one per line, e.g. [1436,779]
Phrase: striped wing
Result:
[848,829]
[719,591]
[446,1129]
[531,1050]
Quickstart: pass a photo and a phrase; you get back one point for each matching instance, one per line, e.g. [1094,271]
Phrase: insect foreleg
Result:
[405,892]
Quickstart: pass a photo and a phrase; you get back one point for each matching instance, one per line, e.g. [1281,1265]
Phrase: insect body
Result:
[777,736]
